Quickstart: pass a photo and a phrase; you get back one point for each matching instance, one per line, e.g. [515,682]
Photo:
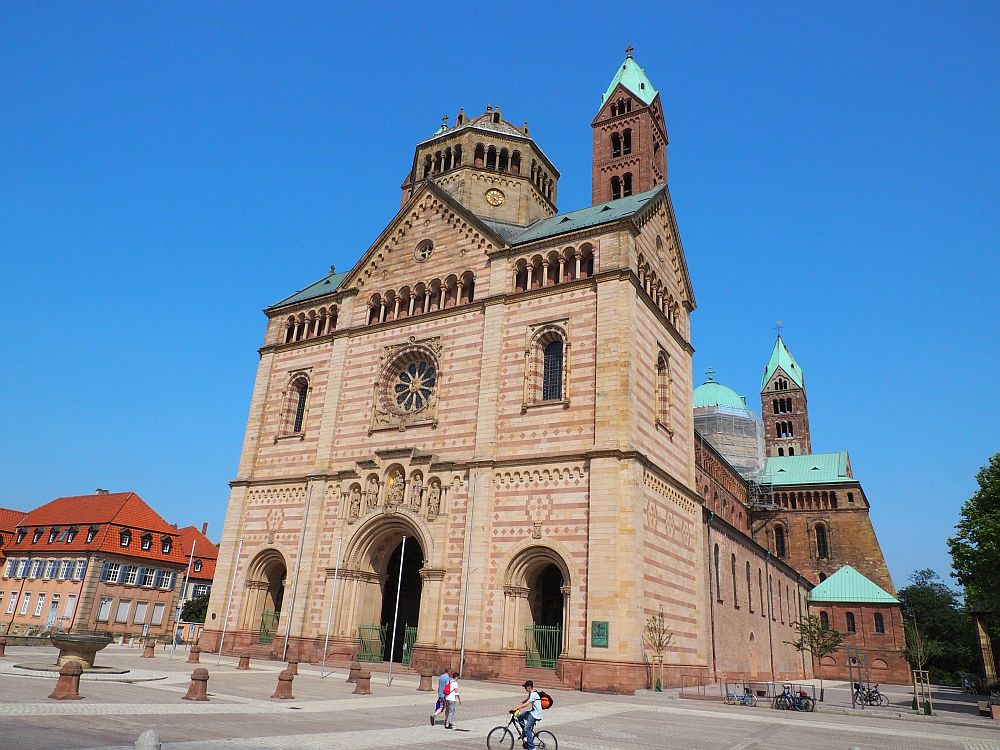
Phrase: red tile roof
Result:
[111,513]
[204,550]
[9,519]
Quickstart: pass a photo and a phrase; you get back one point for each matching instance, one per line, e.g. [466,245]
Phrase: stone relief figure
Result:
[394,493]
[416,490]
[433,501]
[355,502]
[371,496]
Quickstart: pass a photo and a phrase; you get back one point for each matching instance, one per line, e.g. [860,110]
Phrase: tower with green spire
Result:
[630,136]
[783,404]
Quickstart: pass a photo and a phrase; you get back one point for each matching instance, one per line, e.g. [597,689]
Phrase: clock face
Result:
[494,197]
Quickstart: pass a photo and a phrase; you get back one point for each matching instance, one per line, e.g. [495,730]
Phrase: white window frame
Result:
[121,619]
[168,580]
[157,616]
[65,570]
[91,533]
[25,602]
[12,604]
[200,589]
[131,571]
[104,609]
[80,570]
[39,604]
[70,605]
[148,577]
[22,568]
[146,541]
[114,572]
[51,568]
[36,569]
[140,612]
[10,569]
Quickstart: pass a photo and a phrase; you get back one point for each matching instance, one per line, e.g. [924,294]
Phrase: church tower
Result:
[783,405]
[630,136]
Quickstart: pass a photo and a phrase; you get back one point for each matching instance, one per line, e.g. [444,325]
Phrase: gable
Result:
[432,237]
[657,219]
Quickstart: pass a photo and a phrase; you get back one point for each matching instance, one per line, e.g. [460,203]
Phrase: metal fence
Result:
[542,644]
[268,626]
[409,636]
[371,643]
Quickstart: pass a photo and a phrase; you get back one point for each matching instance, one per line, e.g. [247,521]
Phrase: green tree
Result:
[934,614]
[818,639]
[195,609]
[975,548]
[658,636]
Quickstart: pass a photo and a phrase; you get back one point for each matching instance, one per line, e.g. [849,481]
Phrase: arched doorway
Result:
[408,586]
[265,594]
[545,596]
[536,605]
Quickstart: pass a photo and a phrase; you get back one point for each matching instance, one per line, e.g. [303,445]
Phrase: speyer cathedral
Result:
[509,387]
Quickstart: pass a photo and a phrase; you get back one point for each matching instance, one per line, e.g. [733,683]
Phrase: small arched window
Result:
[627,184]
[146,541]
[791,451]
[781,451]
[616,188]
[627,142]
[779,541]
[491,157]
[479,155]
[822,546]
[166,544]
[552,371]
[852,626]
[749,589]
[822,577]
[824,619]
[616,144]
[663,389]
[718,576]
[295,406]
[736,598]
[760,593]
[879,623]
[197,566]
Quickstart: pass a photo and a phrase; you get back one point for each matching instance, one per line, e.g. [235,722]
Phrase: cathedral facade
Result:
[478,443]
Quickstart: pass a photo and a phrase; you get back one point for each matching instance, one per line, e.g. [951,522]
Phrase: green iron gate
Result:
[371,643]
[542,644]
[268,626]
[409,636]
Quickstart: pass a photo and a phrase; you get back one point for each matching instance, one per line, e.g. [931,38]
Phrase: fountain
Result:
[78,648]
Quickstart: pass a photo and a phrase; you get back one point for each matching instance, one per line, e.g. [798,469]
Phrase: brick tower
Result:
[783,405]
[630,136]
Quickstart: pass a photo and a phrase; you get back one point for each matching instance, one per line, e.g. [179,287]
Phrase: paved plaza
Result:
[325,714]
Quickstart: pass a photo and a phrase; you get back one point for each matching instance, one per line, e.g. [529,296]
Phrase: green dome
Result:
[711,393]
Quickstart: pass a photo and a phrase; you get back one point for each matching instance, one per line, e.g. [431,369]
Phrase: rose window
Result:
[413,386]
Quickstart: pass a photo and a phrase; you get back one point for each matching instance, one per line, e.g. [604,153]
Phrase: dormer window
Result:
[71,533]
[167,544]
[21,533]
[197,566]
[36,536]
[125,537]
[91,533]
[146,541]
[53,533]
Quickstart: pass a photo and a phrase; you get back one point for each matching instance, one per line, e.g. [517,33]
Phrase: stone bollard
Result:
[364,686]
[244,660]
[352,675]
[284,689]
[148,740]
[293,666]
[147,650]
[198,689]
[426,683]
[3,645]
[194,655]
[68,685]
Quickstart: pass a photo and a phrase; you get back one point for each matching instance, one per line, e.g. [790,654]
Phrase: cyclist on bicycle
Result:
[528,712]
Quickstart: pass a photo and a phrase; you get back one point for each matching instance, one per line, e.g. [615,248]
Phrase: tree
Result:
[818,639]
[933,614]
[975,549]
[195,609]
[658,637]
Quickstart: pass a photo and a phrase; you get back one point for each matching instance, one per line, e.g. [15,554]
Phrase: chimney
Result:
[100,491]
[204,529]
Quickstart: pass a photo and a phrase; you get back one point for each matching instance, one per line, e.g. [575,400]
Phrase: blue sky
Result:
[168,172]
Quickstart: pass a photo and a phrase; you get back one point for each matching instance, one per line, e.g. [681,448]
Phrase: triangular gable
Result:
[675,248]
[400,225]
[621,91]
[849,586]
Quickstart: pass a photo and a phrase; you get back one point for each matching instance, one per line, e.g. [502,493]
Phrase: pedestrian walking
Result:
[441,705]
[452,698]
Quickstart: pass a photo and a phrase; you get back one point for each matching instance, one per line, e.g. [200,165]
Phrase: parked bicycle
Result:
[746,698]
[502,738]
[789,701]
[869,696]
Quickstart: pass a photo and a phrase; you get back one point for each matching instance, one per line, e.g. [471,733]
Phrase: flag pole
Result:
[395,618]
[329,612]
[187,575]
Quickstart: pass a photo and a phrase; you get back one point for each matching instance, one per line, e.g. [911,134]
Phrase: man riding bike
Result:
[528,712]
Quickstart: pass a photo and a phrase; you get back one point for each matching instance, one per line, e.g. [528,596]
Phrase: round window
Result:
[413,386]
[423,251]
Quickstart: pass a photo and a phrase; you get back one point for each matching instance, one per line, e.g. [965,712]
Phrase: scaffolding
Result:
[737,434]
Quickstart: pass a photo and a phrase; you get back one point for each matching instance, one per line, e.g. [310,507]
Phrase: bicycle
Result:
[788,701]
[502,738]
[746,698]
[869,696]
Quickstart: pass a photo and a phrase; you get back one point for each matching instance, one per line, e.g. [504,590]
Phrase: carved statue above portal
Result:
[416,490]
[433,501]
[371,496]
[355,502]
[394,491]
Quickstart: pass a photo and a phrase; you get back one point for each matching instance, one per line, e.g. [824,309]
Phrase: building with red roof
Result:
[92,563]
[8,524]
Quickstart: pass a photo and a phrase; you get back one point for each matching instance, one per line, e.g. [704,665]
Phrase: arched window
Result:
[552,371]
[850,498]
[491,157]
[627,184]
[790,429]
[781,451]
[779,541]
[852,626]
[197,566]
[822,577]
[616,144]
[427,165]
[295,407]
[718,577]
[879,623]
[504,163]
[781,603]
[663,389]
[627,142]
[749,590]
[479,155]
[616,188]
[791,451]
[822,549]
[736,598]
[458,155]
[775,405]
[824,619]
[760,593]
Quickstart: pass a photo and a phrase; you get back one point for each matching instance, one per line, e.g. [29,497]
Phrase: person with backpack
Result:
[529,711]
[451,697]
[441,705]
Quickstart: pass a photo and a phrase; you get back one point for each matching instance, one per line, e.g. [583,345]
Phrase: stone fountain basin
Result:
[81,648]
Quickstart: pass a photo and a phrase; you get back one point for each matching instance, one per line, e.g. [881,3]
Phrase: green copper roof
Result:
[812,468]
[592,216]
[711,393]
[781,357]
[848,585]
[327,285]
[634,78]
